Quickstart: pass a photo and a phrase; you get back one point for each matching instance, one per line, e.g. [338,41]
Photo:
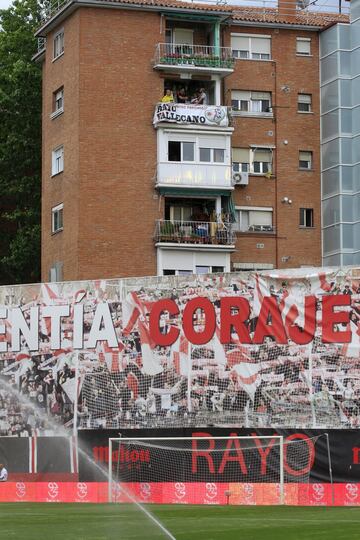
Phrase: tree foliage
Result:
[20,144]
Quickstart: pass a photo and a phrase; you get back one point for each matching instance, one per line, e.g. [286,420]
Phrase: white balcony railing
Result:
[194,232]
[197,56]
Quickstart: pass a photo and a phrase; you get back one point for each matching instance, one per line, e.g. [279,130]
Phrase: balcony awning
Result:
[194,192]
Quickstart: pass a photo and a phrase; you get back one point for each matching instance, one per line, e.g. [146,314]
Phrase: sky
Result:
[5,4]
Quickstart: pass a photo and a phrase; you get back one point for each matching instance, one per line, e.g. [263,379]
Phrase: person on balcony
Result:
[181,96]
[168,97]
[202,97]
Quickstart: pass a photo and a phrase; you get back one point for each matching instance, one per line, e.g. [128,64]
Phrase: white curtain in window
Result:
[260,45]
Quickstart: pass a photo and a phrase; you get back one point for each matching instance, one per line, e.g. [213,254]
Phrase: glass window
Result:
[256,48]
[249,219]
[174,151]
[188,151]
[58,43]
[219,155]
[58,100]
[304,102]
[262,161]
[57,218]
[305,160]
[57,160]
[306,217]
[303,46]
[205,154]
[203,269]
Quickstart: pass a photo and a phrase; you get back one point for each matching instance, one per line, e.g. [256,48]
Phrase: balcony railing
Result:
[201,56]
[194,232]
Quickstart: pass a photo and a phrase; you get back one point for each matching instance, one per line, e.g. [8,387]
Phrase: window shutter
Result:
[240,43]
[260,218]
[260,45]
[183,36]
[263,155]
[305,156]
[261,95]
[240,155]
[303,46]
[241,95]
[304,98]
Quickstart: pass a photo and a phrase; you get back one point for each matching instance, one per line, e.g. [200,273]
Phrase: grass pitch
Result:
[25,521]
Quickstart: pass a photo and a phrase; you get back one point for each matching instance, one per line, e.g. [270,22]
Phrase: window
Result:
[57,160]
[58,102]
[56,272]
[254,219]
[181,151]
[304,102]
[214,155]
[254,161]
[303,46]
[305,160]
[57,218]
[58,44]
[180,213]
[251,47]
[248,101]
[306,217]
[262,159]
[241,160]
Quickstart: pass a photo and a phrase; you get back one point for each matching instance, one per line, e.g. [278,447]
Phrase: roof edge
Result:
[72,5]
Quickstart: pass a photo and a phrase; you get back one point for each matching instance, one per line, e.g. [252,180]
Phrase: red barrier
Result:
[315,494]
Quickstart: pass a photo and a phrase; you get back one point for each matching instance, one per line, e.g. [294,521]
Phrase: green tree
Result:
[20,144]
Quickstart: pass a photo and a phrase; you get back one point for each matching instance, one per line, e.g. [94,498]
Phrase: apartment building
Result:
[226,177]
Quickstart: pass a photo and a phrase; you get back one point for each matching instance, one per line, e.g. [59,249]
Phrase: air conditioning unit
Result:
[240,179]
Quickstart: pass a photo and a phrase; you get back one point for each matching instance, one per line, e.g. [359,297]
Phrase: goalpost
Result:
[192,464]
[210,470]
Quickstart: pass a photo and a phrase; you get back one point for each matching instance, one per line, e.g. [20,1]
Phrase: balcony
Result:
[194,58]
[190,233]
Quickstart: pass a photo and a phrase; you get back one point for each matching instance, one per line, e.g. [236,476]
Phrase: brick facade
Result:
[108,183]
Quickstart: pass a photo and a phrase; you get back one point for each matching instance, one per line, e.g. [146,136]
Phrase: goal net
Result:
[209,470]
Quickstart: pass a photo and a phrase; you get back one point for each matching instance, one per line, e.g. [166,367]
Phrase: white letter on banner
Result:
[30,333]
[3,344]
[55,313]
[78,326]
[107,333]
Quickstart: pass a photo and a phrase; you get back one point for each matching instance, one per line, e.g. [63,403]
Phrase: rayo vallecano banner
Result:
[206,115]
[278,348]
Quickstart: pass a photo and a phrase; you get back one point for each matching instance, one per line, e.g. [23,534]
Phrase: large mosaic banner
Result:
[271,349]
